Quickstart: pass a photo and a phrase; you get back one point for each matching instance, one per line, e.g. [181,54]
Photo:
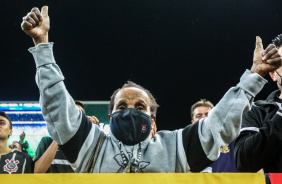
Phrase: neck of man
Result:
[4,149]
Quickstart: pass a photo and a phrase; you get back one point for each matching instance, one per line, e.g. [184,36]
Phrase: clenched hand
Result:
[267,60]
[37,24]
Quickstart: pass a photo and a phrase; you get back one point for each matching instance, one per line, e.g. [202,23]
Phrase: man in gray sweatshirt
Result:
[132,113]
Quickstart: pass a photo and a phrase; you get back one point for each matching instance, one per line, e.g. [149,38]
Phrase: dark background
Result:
[181,50]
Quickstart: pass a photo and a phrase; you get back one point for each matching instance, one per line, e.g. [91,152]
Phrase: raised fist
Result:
[22,136]
[267,60]
[37,24]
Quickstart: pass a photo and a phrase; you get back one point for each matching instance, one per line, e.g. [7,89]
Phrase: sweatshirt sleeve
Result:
[58,108]
[222,125]
[259,143]
[66,123]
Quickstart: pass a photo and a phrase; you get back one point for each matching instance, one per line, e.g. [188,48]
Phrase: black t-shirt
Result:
[60,164]
[16,162]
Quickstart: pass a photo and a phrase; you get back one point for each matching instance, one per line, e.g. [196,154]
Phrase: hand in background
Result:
[93,119]
[22,137]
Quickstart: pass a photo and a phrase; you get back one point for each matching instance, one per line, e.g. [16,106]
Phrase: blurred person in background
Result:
[11,160]
[23,142]
[16,145]
[81,106]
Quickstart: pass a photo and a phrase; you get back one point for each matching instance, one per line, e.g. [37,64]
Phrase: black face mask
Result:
[130,126]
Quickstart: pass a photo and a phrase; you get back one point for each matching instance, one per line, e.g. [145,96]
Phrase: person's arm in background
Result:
[23,142]
[22,137]
[44,157]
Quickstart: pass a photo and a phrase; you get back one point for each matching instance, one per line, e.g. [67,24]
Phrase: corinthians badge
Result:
[11,166]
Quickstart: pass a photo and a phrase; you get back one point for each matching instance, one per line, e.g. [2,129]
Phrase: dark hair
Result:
[77,102]
[2,113]
[153,104]
[202,102]
[21,147]
[277,41]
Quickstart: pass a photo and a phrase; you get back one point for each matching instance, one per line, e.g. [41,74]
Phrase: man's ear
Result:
[10,132]
[109,117]
[154,119]
[192,121]
[273,76]
[154,127]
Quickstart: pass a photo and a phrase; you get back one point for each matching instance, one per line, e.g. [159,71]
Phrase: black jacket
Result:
[259,144]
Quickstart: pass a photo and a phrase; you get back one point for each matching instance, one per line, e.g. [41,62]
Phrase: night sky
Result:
[181,50]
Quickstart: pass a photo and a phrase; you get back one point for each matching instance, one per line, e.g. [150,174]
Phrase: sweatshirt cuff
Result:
[252,83]
[43,54]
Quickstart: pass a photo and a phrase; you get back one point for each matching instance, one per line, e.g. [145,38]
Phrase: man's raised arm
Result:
[67,125]
[223,124]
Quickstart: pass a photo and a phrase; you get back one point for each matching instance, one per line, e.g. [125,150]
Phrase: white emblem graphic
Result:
[11,166]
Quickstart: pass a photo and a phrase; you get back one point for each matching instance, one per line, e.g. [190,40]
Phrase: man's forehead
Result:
[131,93]
[202,108]
[2,118]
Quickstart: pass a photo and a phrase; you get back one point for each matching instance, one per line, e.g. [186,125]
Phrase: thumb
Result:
[44,11]
[259,45]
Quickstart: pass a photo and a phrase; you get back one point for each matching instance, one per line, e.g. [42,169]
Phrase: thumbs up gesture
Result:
[37,24]
[267,60]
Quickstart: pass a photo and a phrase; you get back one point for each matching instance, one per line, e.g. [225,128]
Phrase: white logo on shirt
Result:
[11,165]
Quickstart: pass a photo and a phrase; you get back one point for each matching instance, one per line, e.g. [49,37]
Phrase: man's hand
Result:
[93,119]
[37,24]
[267,60]
[22,136]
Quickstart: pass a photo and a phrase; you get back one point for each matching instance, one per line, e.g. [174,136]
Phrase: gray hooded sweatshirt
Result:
[186,150]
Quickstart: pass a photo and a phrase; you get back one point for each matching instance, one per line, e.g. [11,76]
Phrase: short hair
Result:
[277,41]
[2,113]
[153,104]
[77,102]
[202,102]
[21,147]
